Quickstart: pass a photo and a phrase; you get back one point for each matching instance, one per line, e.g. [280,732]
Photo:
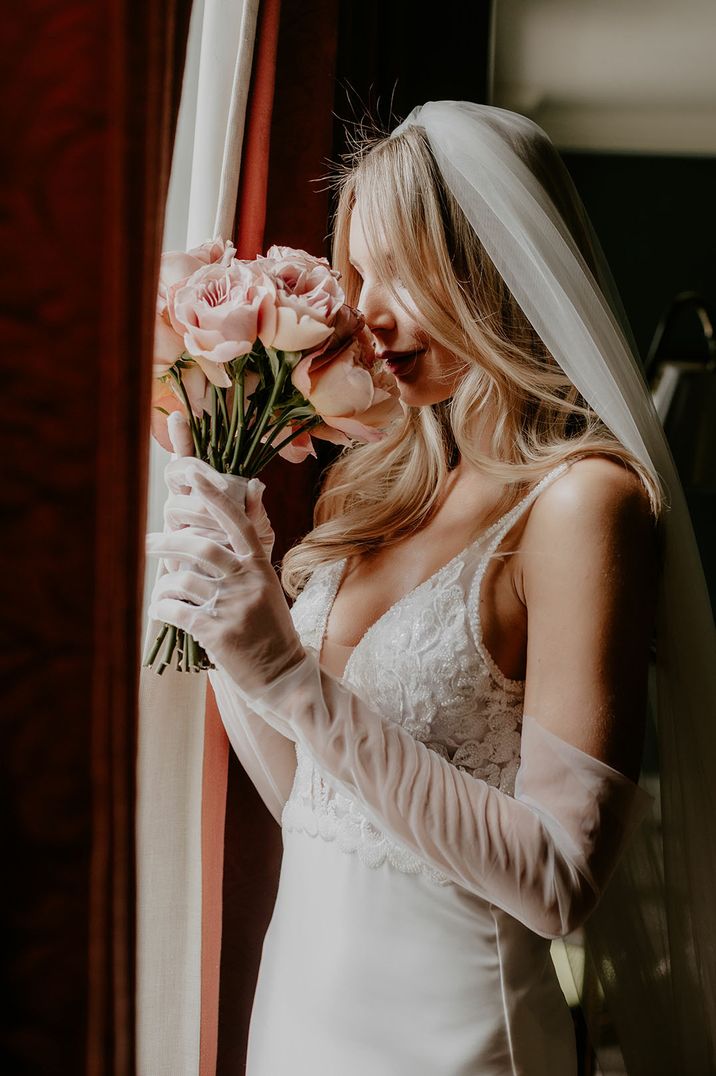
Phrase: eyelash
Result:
[397,278]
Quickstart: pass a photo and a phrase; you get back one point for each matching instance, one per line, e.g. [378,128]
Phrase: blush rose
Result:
[349,388]
[219,311]
[308,298]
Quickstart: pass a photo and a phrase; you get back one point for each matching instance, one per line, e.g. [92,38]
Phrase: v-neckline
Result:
[340,567]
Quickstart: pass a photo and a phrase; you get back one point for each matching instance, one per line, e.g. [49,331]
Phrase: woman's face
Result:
[426,372]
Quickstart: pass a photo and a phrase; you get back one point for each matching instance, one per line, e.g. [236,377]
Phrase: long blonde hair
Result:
[375,494]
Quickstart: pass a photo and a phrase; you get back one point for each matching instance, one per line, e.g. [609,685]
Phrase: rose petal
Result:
[295,332]
[329,433]
[168,346]
[356,429]
[297,449]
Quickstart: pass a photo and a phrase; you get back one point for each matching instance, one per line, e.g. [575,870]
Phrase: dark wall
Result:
[390,58]
[655,218]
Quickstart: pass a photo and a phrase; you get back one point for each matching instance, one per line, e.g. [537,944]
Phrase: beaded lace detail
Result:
[423,664]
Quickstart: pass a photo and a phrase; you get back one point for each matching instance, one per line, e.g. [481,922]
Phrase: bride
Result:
[449,721]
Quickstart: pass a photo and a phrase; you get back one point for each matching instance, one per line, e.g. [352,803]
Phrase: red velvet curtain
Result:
[90,93]
[89,99]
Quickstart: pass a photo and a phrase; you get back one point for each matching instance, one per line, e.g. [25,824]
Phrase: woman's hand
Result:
[181,509]
[221,587]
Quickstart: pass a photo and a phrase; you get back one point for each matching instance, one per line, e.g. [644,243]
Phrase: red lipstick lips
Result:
[399,363]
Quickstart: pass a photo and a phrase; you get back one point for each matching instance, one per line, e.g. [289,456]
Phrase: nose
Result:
[378,313]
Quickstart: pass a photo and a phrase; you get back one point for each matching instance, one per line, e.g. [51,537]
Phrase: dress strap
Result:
[488,551]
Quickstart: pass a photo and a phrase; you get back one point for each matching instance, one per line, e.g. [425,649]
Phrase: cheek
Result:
[443,369]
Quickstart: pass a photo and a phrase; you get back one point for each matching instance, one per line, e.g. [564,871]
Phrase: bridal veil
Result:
[656,958]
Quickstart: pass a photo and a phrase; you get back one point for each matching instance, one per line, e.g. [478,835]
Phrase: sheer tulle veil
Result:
[653,936]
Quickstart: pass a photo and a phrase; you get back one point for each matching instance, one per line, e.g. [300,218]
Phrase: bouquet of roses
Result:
[260,356]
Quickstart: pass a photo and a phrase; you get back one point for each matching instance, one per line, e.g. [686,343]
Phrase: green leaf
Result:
[300,412]
[275,361]
[236,366]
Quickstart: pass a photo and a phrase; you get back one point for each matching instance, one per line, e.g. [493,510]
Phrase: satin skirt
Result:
[369,971]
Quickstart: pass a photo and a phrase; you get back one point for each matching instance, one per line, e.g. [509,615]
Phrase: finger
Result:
[188,510]
[254,502]
[232,517]
[257,514]
[178,473]
[185,586]
[201,554]
[175,474]
[177,613]
[179,432]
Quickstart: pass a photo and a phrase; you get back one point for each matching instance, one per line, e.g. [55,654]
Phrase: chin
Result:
[421,396]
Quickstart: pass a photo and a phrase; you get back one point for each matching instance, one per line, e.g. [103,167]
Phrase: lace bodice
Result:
[423,664]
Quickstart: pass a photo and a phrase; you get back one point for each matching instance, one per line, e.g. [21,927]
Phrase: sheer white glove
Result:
[180,509]
[544,855]
[268,757]
[227,595]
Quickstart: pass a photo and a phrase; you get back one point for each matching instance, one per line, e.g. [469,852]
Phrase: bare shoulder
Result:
[599,503]
[588,565]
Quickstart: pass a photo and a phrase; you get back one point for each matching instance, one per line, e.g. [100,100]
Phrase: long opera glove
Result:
[267,756]
[544,855]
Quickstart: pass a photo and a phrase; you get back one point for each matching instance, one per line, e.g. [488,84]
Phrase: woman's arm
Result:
[268,757]
[587,572]
[544,855]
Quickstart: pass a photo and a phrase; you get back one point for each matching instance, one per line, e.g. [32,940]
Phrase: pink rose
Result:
[349,388]
[177,265]
[220,311]
[308,298]
[168,345]
[347,323]
[198,389]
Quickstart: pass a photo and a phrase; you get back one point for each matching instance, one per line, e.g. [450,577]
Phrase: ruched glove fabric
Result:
[268,757]
[544,855]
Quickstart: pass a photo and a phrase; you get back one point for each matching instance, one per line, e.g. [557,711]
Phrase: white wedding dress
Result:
[375,963]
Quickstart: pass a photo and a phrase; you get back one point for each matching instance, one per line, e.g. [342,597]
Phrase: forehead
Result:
[360,246]
[356,234]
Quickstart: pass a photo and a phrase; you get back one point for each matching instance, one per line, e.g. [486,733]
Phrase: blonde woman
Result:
[449,721]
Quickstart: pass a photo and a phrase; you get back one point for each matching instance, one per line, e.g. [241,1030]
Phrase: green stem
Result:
[263,422]
[222,405]
[267,457]
[214,425]
[238,421]
[249,424]
[222,427]
[171,641]
[265,454]
[233,424]
[155,648]
[193,656]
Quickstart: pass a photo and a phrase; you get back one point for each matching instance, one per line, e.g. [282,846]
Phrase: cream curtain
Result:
[200,205]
